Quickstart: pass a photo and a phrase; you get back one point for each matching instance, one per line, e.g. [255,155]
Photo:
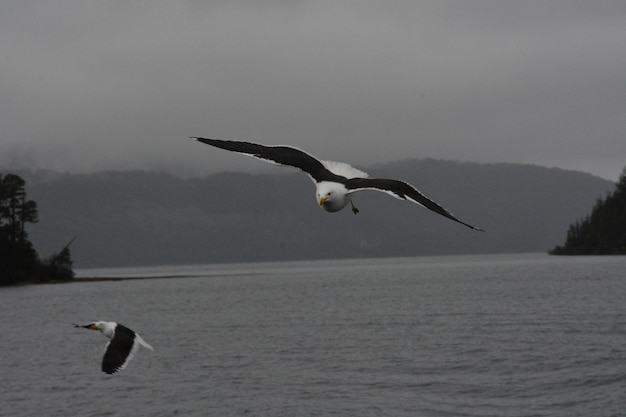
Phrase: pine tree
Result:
[18,259]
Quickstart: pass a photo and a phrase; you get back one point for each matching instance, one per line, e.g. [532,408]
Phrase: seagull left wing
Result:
[402,191]
[281,155]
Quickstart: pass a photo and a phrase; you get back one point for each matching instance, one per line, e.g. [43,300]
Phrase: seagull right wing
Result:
[281,155]
[403,191]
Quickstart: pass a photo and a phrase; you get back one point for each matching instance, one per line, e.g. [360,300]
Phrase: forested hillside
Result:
[603,231]
[19,261]
[141,218]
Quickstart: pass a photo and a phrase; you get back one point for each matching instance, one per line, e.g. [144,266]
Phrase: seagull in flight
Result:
[122,346]
[335,182]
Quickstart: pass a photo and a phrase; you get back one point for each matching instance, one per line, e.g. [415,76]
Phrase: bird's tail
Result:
[143,342]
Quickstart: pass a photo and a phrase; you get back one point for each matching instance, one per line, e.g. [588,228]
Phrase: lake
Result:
[490,335]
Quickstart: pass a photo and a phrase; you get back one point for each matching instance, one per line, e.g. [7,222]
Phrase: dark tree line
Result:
[19,261]
[603,232]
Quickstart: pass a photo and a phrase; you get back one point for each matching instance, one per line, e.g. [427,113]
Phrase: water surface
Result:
[498,335]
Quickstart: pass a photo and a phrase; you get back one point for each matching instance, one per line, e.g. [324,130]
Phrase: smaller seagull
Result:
[335,181]
[122,346]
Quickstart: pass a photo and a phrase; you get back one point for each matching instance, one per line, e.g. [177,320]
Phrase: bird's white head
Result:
[107,328]
[332,196]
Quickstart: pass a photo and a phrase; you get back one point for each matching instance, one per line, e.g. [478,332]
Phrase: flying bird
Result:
[122,346]
[335,182]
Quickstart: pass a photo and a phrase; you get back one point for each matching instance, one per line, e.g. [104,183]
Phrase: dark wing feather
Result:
[282,155]
[119,350]
[403,191]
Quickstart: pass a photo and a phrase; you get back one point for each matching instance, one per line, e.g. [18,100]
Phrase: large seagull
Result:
[335,182]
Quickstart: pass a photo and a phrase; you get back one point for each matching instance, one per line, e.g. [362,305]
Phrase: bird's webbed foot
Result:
[354,209]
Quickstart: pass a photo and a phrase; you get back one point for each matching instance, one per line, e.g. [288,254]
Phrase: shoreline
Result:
[144,277]
[94,279]
[104,279]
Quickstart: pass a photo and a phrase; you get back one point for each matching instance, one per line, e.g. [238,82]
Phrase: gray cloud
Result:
[115,85]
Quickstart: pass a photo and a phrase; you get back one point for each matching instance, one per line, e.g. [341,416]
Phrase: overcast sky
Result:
[93,85]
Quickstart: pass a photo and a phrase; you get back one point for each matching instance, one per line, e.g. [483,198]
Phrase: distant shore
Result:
[124,278]
[140,277]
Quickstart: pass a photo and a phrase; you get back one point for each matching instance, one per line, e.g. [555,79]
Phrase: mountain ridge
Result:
[135,218]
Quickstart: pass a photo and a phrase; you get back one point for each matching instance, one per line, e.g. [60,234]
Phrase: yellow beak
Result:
[322,201]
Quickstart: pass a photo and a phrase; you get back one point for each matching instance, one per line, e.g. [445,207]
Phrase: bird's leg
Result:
[354,209]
